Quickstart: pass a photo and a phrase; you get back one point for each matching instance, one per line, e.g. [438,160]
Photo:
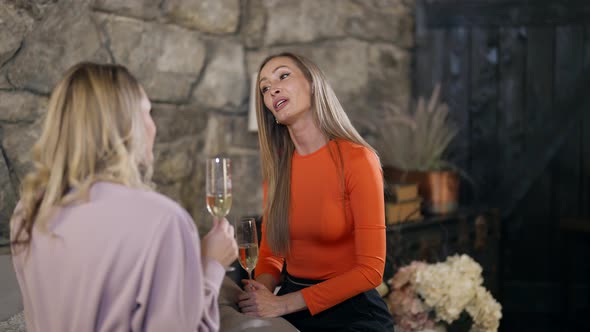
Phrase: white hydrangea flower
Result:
[450,288]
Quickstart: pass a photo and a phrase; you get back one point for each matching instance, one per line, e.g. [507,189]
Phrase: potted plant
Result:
[416,141]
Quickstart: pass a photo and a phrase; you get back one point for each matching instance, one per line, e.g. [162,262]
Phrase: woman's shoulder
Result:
[352,151]
[143,201]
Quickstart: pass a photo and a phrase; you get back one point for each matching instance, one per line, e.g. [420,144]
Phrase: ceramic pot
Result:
[439,189]
[441,192]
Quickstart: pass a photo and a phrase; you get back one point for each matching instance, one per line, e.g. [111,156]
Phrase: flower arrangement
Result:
[418,138]
[424,294]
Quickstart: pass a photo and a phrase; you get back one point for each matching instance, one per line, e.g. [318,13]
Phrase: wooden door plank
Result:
[456,93]
[585,140]
[569,62]
[483,110]
[511,110]
[541,126]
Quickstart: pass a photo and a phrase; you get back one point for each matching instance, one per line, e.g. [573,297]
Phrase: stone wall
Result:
[195,59]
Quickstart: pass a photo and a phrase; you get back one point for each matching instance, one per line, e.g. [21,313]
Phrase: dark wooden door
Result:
[516,75]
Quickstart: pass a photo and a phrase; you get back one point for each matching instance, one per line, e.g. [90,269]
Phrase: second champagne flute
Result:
[247,238]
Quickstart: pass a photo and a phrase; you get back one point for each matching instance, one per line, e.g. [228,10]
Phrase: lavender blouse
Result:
[128,260]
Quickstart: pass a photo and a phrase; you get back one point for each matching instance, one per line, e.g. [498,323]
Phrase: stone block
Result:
[65,37]
[174,160]
[15,323]
[14,25]
[8,199]
[211,16]
[173,122]
[246,184]
[389,74]
[275,22]
[146,9]
[241,137]
[21,106]
[166,59]
[218,135]
[193,195]
[17,141]
[307,20]
[171,190]
[254,22]
[38,8]
[384,20]
[224,81]
[4,83]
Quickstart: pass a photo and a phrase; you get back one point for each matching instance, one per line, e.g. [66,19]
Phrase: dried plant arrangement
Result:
[418,138]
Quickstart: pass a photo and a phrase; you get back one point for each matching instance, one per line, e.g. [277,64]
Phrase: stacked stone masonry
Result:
[195,59]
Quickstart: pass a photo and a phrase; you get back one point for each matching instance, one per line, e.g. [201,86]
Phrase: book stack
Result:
[406,204]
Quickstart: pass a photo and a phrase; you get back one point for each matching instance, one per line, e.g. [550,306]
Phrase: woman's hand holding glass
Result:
[220,243]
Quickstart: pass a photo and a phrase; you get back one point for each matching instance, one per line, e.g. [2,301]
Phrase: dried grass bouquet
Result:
[417,139]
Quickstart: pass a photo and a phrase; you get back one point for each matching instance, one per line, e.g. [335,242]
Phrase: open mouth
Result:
[279,104]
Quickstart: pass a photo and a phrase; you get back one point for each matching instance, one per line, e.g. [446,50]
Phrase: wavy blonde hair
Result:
[93,131]
[276,147]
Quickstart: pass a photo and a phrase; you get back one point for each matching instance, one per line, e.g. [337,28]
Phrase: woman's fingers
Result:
[250,309]
[226,227]
[231,230]
[220,224]
[253,284]
[257,285]
[243,297]
[215,223]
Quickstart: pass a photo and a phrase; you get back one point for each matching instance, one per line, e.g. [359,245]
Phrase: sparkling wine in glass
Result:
[247,239]
[218,186]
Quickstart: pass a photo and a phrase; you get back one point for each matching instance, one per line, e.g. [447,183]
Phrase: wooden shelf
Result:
[430,220]
[474,231]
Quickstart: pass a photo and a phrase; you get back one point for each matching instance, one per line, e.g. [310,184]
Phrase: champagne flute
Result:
[218,186]
[218,189]
[247,239]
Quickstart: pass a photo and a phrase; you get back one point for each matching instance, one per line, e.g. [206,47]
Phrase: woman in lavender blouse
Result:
[94,247]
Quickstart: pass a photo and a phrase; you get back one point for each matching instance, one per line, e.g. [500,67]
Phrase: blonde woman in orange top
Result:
[323,207]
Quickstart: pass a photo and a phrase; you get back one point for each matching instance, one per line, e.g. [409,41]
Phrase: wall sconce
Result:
[252,124]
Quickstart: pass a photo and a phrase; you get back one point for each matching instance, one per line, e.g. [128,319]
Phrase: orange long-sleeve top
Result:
[340,242]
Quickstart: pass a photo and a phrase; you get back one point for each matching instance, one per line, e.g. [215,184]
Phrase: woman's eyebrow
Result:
[279,67]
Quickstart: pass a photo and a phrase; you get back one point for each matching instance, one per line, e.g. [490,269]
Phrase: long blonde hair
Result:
[276,147]
[93,131]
